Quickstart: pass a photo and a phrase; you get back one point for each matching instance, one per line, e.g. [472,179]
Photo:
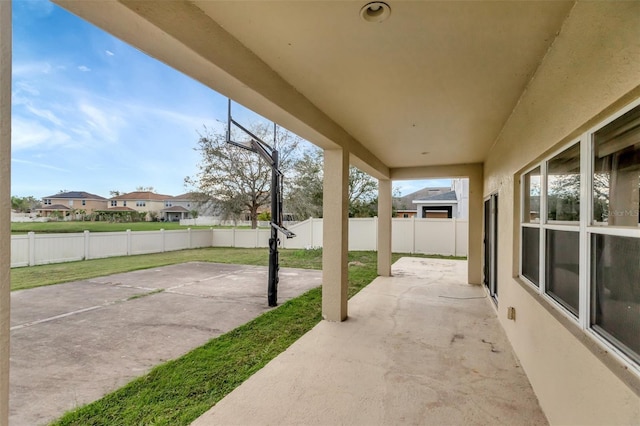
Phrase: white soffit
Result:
[433,84]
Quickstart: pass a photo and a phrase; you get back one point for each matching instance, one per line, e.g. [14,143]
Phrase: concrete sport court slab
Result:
[72,343]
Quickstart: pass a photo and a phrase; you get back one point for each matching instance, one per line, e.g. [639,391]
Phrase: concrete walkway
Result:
[421,347]
[72,343]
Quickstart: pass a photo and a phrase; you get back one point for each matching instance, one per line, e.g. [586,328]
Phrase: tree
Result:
[24,204]
[304,192]
[145,188]
[239,180]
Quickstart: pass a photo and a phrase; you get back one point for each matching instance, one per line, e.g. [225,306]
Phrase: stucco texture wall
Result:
[591,70]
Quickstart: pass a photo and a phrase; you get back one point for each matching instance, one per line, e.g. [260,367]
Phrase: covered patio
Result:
[420,347]
[488,90]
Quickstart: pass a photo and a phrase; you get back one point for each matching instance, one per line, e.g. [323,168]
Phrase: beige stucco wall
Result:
[592,69]
[90,205]
[5,205]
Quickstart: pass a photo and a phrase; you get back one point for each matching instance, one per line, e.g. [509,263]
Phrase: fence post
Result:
[375,227]
[455,237]
[233,237]
[413,234]
[32,248]
[189,237]
[257,241]
[311,232]
[128,242]
[86,244]
[162,238]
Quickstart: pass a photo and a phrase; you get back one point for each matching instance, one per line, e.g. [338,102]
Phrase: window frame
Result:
[586,229]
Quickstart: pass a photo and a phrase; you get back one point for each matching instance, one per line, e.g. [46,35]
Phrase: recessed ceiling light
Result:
[376,11]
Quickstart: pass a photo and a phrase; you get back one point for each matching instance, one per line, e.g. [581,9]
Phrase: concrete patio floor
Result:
[72,343]
[421,347]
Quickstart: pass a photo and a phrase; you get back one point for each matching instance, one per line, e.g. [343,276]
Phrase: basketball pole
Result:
[270,155]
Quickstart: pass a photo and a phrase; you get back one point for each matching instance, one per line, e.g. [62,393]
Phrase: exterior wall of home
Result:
[5,205]
[150,205]
[401,214]
[90,205]
[461,186]
[421,212]
[590,72]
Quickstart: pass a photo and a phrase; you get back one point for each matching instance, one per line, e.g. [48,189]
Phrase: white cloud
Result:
[46,114]
[40,165]
[84,68]
[103,123]
[26,87]
[29,68]
[109,53]
[27,134]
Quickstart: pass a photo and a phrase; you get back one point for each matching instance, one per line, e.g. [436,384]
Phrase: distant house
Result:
[438,206]
[72,203]
[436,202]
[141,201]
[183,207]
[406,214]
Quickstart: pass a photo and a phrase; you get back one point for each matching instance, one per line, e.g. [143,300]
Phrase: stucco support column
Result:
[384,227]
[5,204]
[474,257]
[335,234]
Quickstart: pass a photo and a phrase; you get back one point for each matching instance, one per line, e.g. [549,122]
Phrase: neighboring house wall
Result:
[141,201]
[589,73]
[461,188]
[74,201]
[405,214]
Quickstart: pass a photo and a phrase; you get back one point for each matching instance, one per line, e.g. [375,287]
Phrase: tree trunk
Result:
[254,217]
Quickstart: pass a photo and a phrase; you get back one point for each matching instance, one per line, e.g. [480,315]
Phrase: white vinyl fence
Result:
[428,236]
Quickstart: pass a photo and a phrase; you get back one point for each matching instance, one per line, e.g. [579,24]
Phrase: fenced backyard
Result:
[446,237]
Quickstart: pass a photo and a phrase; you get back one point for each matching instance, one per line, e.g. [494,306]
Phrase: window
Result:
[563,186]
[84,202]
[124,203]
[47,202]
[616,171]
[532,187]
[140,203]
[561,268]
[531,254]
[580,232]
[615,291]
[114,203]
[167,204]
[532,196]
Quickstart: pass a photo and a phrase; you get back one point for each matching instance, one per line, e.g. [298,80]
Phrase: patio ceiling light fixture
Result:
[376,11]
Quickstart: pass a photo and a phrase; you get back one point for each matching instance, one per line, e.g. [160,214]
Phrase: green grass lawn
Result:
[79,226]
[37,276]
[179,391]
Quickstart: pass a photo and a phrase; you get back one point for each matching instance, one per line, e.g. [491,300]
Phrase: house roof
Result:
[54,207]
[447,196]
[118,209]
[175,209]
[406,200]
[142,195]
[77,195]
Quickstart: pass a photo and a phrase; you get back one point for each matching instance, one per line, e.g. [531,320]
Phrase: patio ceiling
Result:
[431,85]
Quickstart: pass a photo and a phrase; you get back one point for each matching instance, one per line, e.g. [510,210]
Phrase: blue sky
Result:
[91,113]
